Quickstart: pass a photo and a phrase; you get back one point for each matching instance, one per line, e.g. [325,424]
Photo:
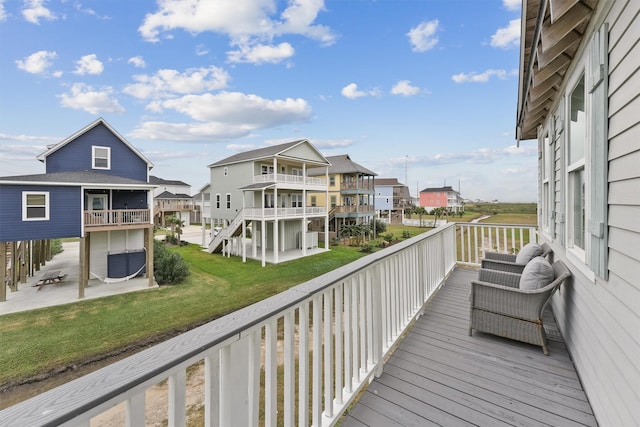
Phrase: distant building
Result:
[171,198]
[391,198]
[202,205]
[441,197]
[351,191]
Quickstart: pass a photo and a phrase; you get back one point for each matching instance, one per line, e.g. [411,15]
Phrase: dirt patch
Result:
[15,392]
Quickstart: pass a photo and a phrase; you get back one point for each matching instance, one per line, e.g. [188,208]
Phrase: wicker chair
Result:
[507,262]
[500,308]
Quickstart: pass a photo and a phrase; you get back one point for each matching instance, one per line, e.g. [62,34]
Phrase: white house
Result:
[265,190]
[579,96]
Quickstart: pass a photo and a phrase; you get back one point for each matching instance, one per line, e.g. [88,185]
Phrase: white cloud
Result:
[248,23]
[89,64]
[261,53]
[239,148]
[404,87]
[423,37]
[3,13]
[34,10]
[137,61]
[482,77]
[223,116]
[351,91]
[512,4]
[86,98]
[38,62]
[168,82]
[507,37]
[201,50]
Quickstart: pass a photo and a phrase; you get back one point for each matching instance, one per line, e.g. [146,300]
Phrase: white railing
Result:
[474,239]
[227,232]
[284,213]
[319,342]
[288,179]
[116,217]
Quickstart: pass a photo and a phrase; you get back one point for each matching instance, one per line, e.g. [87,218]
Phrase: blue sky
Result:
[421,90]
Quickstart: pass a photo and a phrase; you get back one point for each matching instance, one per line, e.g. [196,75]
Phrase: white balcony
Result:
[292,181]
[283,213]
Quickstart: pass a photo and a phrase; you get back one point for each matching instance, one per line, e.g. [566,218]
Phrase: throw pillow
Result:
[528,252]
[537,274]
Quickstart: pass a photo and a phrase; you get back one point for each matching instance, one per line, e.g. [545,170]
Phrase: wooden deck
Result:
[439,375]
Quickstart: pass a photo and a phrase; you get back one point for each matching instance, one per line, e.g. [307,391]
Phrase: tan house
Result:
[350,195]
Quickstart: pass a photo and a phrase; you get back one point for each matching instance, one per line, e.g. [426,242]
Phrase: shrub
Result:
[56,247]
[168,267]
[406,234]
[388,237]
[381,227]
[367,248]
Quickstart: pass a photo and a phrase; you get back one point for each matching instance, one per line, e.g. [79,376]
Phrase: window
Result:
[226,171]
[265,169]
[101,157]
[296,172]
[228,201]
[296,200]
[546,163]
[332,180]
[217,201]
[35,206]
[333,201]
[576,168]
[313,201]
[268,200]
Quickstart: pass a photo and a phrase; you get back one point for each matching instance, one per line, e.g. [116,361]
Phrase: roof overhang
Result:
[551,33]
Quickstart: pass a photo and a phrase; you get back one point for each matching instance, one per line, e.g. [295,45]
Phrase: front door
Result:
[97,202]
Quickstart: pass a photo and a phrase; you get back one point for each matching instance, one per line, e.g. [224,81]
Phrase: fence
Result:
[299,357]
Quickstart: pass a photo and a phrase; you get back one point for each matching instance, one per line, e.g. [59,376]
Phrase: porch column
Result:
[244,233]
[83,267]
[276,240]
[326,231]
[149,243]
[264,240]
[3,270]
[14,265]
[303,238]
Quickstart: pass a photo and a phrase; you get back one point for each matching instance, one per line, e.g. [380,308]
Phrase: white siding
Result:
[600,320]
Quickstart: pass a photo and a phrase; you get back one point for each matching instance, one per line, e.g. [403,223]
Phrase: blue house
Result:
[95,187]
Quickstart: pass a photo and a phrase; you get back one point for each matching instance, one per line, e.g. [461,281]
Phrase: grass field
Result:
[38,341]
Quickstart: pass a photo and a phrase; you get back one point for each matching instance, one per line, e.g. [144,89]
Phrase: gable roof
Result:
[85,178]
[437,189]
[268,153]
[99,121]
[159,181]
[389,181]
[341,164]
[170,195]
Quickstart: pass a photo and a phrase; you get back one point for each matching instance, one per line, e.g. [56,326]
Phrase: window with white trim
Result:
[101,157]
[226,171]
[586,154]
[217,201]
[35,205]
[228,201]
[313,201]
[268,200]
[546,163]
[576,206]
[265,169]
[296,200]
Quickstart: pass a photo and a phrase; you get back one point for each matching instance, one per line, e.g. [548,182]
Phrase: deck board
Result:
[439,375]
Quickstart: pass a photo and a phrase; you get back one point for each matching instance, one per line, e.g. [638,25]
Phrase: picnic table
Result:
[53,276]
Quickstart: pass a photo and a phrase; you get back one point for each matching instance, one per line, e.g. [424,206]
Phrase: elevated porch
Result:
[392,324]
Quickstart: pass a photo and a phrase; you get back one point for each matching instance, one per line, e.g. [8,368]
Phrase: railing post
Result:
[177,398]
[303,364]
[212,389]
[135,410]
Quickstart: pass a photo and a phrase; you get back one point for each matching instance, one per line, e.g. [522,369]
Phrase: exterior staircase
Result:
[234,229]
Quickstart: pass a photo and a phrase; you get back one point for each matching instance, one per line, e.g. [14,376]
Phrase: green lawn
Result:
[38,341]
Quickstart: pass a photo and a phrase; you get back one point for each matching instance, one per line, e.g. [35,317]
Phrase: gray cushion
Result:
[528,252]
[537,274]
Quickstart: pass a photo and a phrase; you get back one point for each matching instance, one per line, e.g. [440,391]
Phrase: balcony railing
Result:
[283,213]
[356,185]
[475,239]
[116,217]
[176,206]
[307,351]
[281,178]
[355,209]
